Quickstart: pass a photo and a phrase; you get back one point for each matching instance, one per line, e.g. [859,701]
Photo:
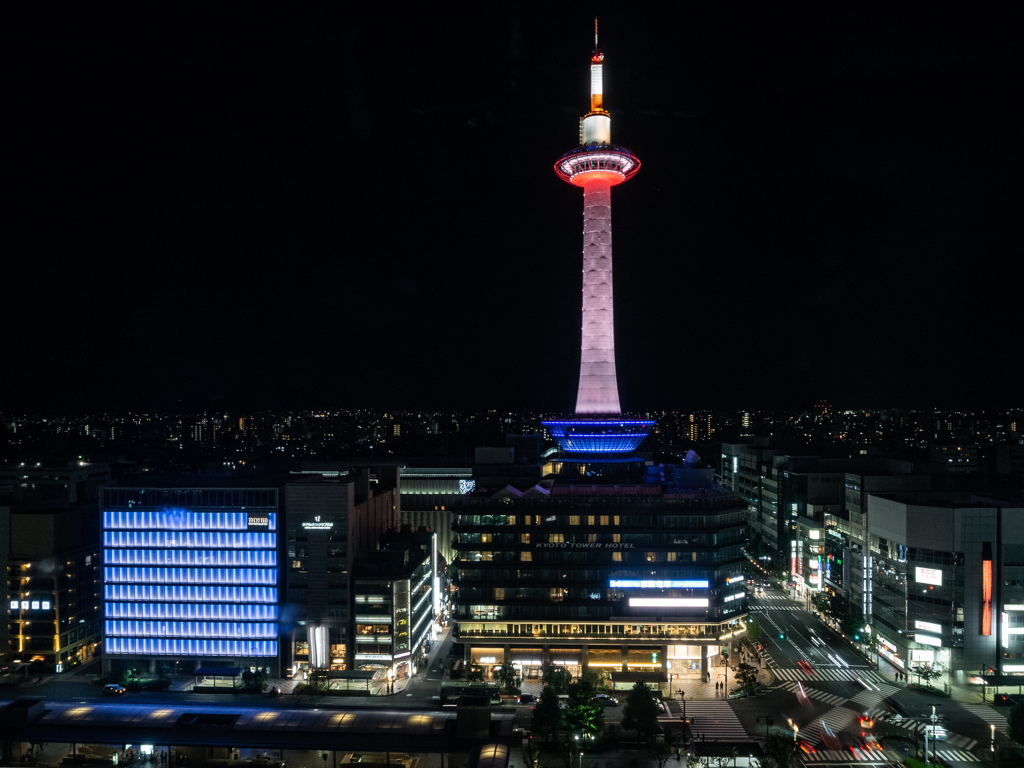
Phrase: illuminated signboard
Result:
[258,521]
[737,596]
[734,579]
[927,639]
[35,605]
[467,486]
[658,583]
[928,576]
[668,602]
[400,601]
[928,626]
[986,589]
[317,524]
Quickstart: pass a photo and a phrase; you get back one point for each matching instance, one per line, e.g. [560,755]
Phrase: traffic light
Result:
[782,635]
[856,637]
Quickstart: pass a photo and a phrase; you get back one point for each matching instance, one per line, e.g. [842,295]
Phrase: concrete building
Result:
[333,518]
[396,603]
[947,581]
[51,553]
[428,495]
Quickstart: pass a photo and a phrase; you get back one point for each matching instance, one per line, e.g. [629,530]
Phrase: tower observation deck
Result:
[597,165]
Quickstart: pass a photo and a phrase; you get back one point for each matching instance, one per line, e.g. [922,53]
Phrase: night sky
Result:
[296,209]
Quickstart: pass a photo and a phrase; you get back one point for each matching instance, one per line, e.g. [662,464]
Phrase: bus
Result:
[453,690]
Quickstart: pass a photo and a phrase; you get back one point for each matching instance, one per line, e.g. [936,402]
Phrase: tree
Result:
[640,713]
[584,714]
[547,714]
[753,631]
[475,674]
[557,677]
[661,751]
[780,751]
[747,676]
[596,678]
[1015,723]
[255,680]
[731,753]
[508,678]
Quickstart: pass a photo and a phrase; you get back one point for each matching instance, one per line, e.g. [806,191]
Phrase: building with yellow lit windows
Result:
[53,607]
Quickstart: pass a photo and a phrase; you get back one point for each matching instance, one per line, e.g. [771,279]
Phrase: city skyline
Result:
[270,211]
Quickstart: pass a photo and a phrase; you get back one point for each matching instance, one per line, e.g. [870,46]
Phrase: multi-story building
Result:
[190,577]
[947,581]
[428,495]
[395,603]
[635,576]
[52,575]
[334,517]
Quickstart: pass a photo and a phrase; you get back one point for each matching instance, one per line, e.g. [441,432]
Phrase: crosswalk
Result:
[838,675]
[775,608]
[832,722]
[876,757]
[869,700]
[989,715]
[770,597]
[957,756]
[847,757]
[713,721]
[813,693]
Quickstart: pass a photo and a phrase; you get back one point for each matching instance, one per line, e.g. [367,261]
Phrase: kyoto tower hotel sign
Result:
[597,165]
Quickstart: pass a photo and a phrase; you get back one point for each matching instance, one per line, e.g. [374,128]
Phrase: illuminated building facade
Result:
[335,516]
[396,603]
[947,581]
[52,602]
[597,165]
[640,579]
[190,578]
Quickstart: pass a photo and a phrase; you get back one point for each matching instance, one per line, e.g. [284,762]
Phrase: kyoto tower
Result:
[597,165]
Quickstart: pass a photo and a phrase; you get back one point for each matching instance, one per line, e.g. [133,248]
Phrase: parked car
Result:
[606,701]
[527,698]
[1005,700]
[113,689]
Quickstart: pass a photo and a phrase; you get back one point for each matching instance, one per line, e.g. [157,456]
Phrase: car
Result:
[1005,700]
[113,689]
[867,722]
[527,698]
[606,701]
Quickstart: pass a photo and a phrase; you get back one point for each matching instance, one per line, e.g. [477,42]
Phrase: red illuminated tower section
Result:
[597,165]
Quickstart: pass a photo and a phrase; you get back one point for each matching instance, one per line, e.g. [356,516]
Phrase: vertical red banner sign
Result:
[986,590]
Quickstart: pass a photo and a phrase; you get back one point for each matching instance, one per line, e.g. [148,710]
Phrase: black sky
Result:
[293,209]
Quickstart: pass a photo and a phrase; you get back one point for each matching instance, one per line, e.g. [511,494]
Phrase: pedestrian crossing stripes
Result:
[870,698]
[832,722]
[846,756]
[770,597]
[987,714]
[775,608]
[840,675]
[814,693]
[957,755]
[713,721]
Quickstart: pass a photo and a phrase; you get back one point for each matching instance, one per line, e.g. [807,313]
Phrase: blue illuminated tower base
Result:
[599,436]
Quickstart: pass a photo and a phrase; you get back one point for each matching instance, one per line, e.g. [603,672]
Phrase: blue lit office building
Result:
[190,578]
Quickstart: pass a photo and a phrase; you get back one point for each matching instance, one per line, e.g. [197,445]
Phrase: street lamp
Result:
[992,741]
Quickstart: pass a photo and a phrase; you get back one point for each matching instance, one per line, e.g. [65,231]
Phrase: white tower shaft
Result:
[599,390]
